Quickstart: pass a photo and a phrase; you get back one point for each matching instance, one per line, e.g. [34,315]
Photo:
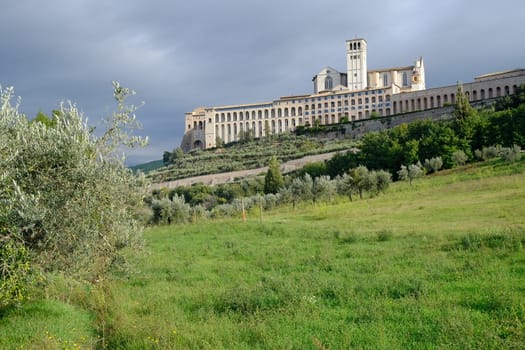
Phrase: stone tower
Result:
[356,64]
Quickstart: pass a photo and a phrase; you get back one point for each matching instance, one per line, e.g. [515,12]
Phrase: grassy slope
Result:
[437,266]
[440,265]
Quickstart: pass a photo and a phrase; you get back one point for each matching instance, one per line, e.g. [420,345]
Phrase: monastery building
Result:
[356,94]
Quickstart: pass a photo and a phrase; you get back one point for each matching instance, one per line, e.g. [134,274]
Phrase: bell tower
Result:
[356,64]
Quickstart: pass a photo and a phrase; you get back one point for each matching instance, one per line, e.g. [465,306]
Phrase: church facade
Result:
[356,94]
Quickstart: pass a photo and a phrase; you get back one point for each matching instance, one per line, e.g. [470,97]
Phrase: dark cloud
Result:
[179,55]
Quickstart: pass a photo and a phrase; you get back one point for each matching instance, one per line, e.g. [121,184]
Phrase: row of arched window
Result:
[260,114]
[422,103]
[231,131]
[293,111]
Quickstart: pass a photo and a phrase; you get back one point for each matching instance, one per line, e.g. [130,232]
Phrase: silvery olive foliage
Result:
[410,173]
[65,194]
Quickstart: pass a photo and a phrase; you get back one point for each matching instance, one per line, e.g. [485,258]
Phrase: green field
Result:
[440,265]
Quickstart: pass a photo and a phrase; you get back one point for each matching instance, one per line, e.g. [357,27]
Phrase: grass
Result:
[437,266]
[46,324]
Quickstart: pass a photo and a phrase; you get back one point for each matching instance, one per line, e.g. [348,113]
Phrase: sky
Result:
[179,55]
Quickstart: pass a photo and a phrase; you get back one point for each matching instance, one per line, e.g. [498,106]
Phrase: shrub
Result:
[511,154]
[383,180]
[478,154]
[170,211]
[459,158]
[180,210]
[15,273]
[433,165]
[490,152]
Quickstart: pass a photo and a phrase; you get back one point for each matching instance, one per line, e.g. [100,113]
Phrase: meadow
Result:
[437,265]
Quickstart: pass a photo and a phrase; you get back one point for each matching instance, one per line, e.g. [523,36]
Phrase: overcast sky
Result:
[178,55]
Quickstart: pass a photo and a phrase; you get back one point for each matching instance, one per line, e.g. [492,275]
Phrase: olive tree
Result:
[410,172]
[323,188]
[65,192]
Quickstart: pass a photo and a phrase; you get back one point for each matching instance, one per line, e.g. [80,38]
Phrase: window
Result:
[405,79]
[385,79]
[328,83]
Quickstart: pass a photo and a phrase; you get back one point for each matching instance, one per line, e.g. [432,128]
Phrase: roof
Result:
[390,69]
[494,74]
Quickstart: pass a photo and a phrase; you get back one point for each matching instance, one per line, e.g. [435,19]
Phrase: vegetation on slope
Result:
[245,155]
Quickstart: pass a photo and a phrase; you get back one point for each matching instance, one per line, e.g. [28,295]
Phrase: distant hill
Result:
[149,166]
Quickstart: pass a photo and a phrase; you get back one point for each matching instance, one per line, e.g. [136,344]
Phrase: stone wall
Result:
[357,129]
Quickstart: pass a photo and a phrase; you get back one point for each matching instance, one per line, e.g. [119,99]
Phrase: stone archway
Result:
[198,144]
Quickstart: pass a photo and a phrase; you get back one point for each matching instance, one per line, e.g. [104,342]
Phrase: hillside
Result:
[436,265]
[242,156]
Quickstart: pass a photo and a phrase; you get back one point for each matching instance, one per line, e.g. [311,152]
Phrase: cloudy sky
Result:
[178,55]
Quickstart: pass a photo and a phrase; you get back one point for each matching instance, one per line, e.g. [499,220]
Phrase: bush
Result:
[15,273]
[383,180]
[433,165]
[490,152]
[170,211]
[459,158]
[511,154]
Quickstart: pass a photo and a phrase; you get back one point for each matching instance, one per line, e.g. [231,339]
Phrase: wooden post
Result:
[243,211]
[260,209]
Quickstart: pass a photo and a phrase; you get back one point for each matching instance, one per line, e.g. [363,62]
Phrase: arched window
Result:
[385,79]
[328,83]
[405,79]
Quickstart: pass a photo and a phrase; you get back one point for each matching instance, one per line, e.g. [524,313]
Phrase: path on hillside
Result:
[215,179]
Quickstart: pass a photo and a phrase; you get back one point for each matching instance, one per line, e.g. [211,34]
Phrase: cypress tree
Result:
[273,181]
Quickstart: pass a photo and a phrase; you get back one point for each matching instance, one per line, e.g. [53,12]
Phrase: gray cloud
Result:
[179,55]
